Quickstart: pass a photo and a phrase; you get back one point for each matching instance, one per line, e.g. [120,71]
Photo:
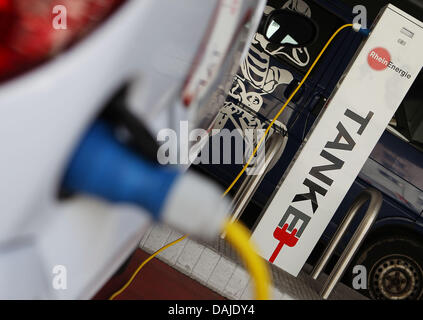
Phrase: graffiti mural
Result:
[256,67]
[258,77]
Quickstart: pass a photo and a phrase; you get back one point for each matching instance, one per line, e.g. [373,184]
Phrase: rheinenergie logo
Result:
[380,59]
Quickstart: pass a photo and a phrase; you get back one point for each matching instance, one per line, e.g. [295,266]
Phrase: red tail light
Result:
[28,36]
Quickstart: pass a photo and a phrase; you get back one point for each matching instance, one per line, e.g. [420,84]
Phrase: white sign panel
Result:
[341,141]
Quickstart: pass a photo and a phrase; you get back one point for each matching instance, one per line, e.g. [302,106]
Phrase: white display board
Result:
[353,121]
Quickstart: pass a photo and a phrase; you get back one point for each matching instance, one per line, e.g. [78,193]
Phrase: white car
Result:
[60,63]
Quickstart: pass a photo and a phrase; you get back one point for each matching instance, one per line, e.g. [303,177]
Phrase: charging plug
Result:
[103,167]
[358,28]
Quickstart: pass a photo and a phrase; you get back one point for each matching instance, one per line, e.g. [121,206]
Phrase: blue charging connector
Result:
[101,166]
[358,28]
[365,32]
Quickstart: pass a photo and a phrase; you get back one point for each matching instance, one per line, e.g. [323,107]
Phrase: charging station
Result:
[345,134]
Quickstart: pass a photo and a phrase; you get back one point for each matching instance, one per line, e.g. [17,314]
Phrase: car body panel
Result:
[45,112]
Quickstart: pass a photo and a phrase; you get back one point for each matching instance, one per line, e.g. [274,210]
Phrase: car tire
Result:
[394,268]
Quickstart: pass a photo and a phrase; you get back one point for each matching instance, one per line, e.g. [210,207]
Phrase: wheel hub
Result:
[396,278]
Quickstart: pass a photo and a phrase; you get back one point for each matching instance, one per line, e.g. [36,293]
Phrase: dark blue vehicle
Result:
[393,250]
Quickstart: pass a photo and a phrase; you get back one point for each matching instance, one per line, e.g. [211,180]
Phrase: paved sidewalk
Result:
[217,266]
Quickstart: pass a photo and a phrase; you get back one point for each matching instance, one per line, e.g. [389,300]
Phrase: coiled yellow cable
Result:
[239,237]
[236,234]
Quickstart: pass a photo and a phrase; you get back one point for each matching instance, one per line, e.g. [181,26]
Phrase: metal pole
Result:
[355,242]
[274,149]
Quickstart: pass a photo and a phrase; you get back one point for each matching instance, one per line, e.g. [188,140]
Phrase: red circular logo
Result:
[379,59]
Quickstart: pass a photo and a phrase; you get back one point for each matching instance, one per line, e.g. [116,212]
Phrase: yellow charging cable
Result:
[143,264]
[236,234]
